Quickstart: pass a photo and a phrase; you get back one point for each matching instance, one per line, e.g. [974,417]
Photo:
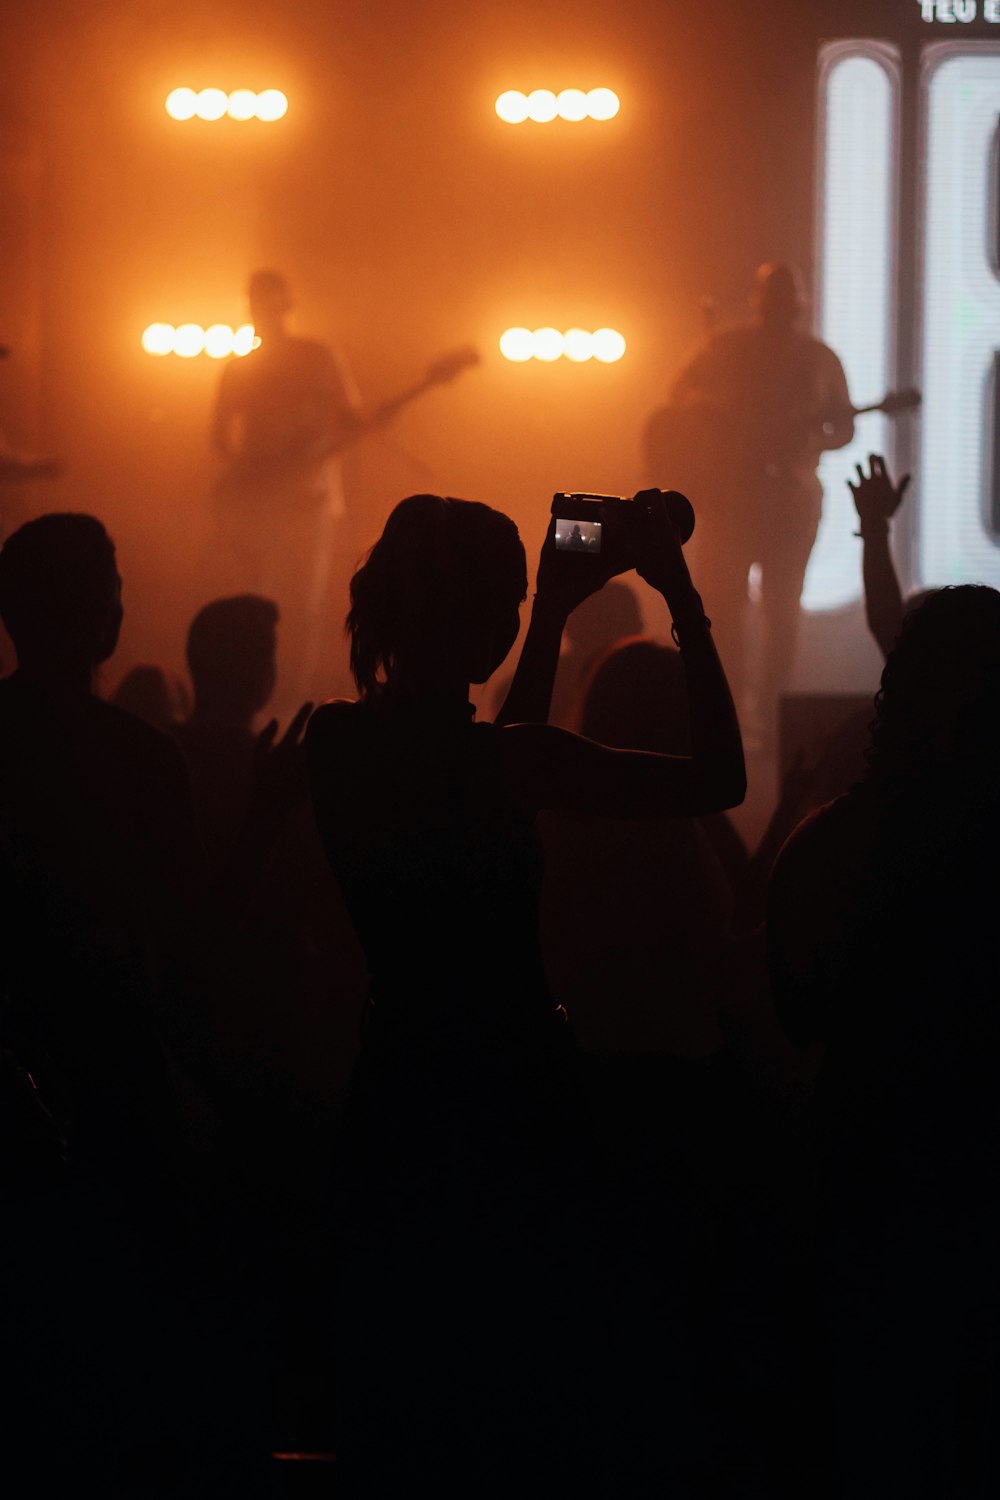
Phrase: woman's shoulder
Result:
[340,727]
[828,848]
[337,716]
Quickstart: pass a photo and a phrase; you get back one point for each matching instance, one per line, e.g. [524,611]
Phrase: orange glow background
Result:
[409,220]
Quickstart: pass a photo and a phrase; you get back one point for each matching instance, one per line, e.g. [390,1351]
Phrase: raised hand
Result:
[565,579]
[659,560]
[876,498]
[279,770]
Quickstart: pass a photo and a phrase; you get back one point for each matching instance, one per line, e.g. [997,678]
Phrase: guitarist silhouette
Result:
[748,420]
[282,416]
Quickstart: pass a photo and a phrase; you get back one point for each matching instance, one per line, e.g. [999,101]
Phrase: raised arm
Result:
[552,768]
[877,499]
[564,580]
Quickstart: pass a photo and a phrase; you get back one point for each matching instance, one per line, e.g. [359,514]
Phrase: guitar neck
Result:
[387,409]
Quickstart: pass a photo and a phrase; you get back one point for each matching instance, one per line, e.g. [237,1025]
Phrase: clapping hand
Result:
[279,771]
[876,498]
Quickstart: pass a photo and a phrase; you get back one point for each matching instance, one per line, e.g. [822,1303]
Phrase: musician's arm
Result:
[696,380]
[14,469]
[346,414]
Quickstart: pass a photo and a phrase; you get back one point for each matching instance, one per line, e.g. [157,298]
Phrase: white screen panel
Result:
[856,232]
[961,319]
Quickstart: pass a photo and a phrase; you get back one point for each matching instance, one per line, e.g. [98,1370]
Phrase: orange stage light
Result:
[542,105]
[571,104]
[242,104]
[182,104]
[512,107]
[214,104]
[609,346]
[189,340]
[158,338]
[218,341]
[578,345]
[603,104]
[244,339]
[548,345]
[517,344]
[271,105]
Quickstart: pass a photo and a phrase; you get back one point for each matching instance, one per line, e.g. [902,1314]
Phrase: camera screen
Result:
[578,536]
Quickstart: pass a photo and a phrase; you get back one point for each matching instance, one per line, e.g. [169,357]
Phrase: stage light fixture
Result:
[242,104]
[212,104]
[603,104]
[158,338]
[517,344]
[244,339]
[512,107]
[542,105]
[271,105]
[571,104]
[608,345]
[578,345]
[189,340]
[218,341]
[182,104]
[548,345]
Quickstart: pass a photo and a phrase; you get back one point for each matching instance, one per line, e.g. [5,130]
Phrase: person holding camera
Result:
[462,1160]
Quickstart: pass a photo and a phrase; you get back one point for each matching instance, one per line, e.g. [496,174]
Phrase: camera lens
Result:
[681,512]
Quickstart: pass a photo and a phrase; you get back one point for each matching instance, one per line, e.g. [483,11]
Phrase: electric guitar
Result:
[690,447]
[264,478]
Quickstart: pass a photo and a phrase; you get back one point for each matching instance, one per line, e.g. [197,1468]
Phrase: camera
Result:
[581,518]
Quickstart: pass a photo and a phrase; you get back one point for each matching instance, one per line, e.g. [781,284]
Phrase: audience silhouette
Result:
[882,950]
[231,648]
[463,1160]
[434,1088]
[112,1312]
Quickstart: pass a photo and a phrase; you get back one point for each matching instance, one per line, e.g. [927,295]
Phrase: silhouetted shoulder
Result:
[135,735]
[340,746]
[339,722]
[839,831]
[314,350]
[813,910]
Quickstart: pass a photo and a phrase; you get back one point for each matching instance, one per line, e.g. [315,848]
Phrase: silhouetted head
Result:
[156,696]
[938,709]
[231,657]
[438,595]
[60,593]
[270,300]
[777,296]
[636,699]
